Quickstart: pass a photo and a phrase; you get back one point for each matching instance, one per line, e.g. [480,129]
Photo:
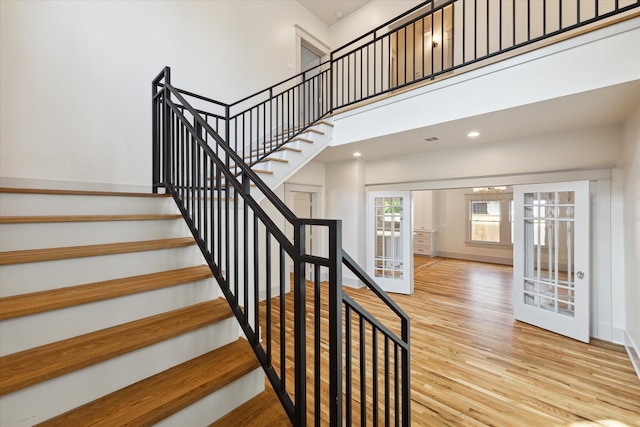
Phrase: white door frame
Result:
[318,243]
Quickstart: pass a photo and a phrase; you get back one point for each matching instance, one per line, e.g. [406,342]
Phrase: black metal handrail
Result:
[247,247]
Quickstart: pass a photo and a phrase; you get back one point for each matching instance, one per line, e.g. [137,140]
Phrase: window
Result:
[490,217]
[479,208]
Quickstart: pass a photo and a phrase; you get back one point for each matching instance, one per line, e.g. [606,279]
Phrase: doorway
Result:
[305,202]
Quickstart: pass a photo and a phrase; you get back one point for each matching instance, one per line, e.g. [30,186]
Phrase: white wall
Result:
[631,156]
[368,17]
[346,200]
[451,236]
[75,76]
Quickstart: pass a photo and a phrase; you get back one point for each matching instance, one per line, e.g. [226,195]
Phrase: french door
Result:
[388,242]
[551,257]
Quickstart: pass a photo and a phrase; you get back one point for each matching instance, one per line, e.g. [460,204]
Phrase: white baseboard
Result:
[634,352]
[49,184]
[618,336]
[479,258]
[352,282]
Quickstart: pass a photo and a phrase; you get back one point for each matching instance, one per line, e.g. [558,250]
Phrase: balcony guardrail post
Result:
[330,72]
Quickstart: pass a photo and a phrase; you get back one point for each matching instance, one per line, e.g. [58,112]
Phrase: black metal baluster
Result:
[317,339]
[256,280]
[268,313]
[283,335]
[363,374]
[475,29]
[529,20]
[374,372]
[488,28]
[513,20]
[544,17]
[464,30]
[387,405]
[348,339]
[396,386]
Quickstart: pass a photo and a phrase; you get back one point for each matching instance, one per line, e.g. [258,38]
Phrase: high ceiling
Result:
[331,11]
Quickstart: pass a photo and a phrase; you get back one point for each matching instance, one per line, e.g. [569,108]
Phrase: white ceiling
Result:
[607,106]
[328,10]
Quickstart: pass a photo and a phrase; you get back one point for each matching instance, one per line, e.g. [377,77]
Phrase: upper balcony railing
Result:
[438,37]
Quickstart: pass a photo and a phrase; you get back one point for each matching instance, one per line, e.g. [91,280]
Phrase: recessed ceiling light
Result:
[357,154]
[473,134]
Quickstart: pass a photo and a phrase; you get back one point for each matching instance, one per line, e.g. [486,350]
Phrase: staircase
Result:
[108,316]
[276,168]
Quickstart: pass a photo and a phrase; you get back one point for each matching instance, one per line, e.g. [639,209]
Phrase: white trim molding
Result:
[634,352]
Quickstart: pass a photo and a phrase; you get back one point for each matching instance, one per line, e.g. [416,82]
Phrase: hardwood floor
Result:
[472,364]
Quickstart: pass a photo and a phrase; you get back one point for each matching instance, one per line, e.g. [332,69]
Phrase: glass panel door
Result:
[389,257]
[551,257]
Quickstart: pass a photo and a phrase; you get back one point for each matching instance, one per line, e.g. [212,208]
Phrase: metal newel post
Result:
[166,126]
[406,377]
[299,330]
[335,324]
[227,131]
[155,139]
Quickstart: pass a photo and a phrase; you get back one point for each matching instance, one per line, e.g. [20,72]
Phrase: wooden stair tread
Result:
[263,409]
[51,254]
[299,138]
[155,398]
[28,367]
[78,192]
[283,148]
[83,218]
[38,302]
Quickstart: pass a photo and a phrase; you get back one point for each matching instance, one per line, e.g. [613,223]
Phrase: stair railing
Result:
[286,298]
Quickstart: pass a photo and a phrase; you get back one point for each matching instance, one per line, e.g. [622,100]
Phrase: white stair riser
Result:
[14,204]
[283,171]
[45,400]
[216,405]
[34,330]
[17,237]
[39,276]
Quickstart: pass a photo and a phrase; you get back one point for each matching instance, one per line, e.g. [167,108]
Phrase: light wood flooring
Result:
[473,365]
